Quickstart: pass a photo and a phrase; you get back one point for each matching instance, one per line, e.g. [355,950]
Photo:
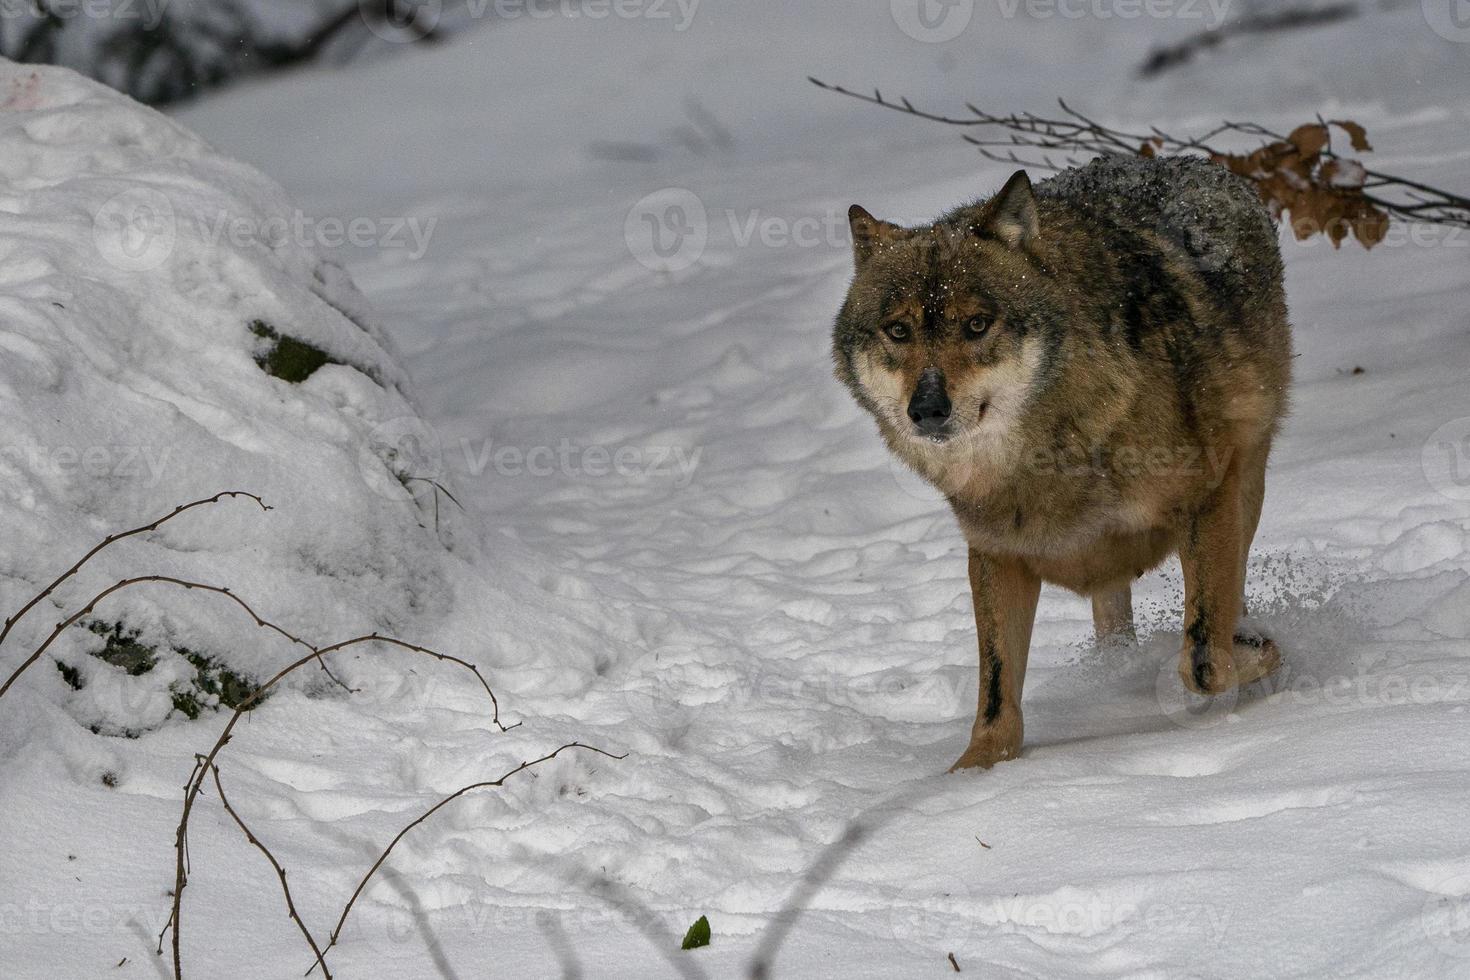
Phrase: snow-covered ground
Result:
[683,542]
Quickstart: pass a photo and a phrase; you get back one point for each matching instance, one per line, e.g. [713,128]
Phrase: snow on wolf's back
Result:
[1215,216]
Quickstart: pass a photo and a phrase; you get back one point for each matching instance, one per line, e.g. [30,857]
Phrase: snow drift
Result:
[169,331]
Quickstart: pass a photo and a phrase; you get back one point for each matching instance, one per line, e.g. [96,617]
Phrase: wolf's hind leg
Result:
[1252,494]
[1213,659]
[1112,615]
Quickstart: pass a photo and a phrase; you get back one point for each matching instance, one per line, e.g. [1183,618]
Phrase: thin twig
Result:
[280,871]
[486,784]
[113,539]
[196,781]
[86,610]
[630,907]
[1079,133]
[561,946]
[814,881]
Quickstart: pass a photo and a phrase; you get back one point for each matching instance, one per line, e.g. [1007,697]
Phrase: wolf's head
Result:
[943,336]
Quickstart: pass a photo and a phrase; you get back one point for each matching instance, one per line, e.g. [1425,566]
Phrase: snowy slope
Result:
[755,605]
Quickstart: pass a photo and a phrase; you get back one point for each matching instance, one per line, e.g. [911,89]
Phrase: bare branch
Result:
[113,539]
[813,881]
[500,781]
[628,905]
[1406,200]
[196,781]
[280,871]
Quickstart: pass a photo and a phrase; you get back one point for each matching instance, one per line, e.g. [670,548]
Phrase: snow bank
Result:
[144,282]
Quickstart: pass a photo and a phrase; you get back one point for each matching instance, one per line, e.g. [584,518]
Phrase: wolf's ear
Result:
[1011,216]
[868,233]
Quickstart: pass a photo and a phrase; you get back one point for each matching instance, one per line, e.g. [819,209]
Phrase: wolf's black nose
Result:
[929,408]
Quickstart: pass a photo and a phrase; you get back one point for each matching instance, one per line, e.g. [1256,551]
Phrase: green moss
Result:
[212,686]
[71,675]
[186,703]
[286,357]
[218,682]
[123,649]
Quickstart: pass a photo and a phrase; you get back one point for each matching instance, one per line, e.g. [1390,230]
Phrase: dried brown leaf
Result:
[1357,135]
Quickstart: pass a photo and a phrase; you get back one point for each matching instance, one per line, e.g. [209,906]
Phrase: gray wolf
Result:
[1092,371]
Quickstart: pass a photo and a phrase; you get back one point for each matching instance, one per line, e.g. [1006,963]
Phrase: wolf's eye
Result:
[976,326]
[896,331]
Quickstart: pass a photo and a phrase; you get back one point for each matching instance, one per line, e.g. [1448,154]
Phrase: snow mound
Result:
[167,333]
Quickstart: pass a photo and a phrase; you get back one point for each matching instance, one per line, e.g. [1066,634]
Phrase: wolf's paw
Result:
[1252,656]
[988,748]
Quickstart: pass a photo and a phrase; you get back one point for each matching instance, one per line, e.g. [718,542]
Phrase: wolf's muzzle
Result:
[929,407]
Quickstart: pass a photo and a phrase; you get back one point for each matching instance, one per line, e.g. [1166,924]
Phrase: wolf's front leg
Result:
[1004,593]
[1216,657]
